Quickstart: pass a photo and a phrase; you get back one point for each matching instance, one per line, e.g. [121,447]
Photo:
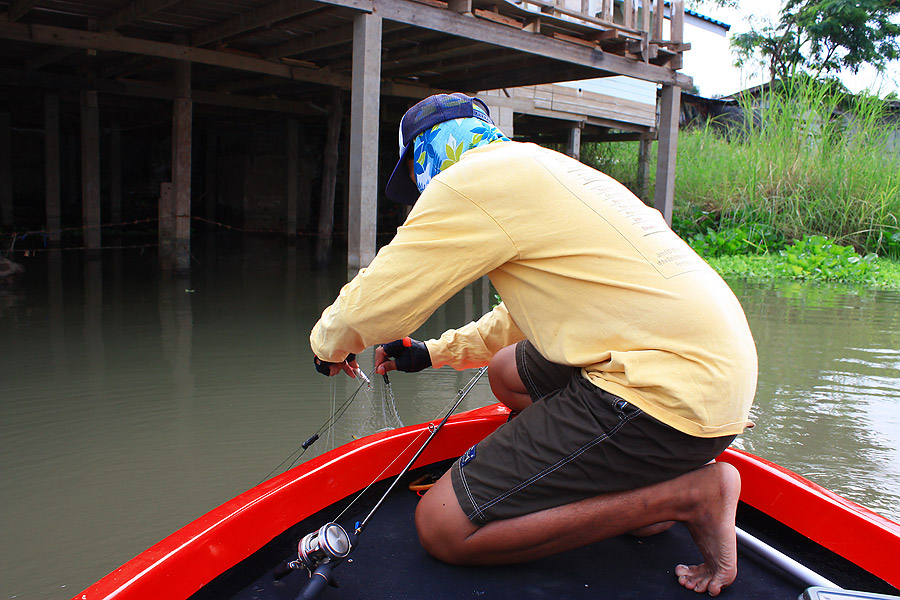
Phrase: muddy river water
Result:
[131,404]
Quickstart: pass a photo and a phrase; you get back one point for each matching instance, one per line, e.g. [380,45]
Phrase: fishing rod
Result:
[319,552]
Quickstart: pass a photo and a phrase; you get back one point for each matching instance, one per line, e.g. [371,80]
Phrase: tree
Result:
[822,37]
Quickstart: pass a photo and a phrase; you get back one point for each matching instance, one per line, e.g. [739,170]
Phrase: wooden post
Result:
[658,14]
[329,182]
[115,175]
[575,141]
[628,13]
[669,111]
[290,169]
[364,121]
[643,173]
[166,227]
[676,33]
[90,172]
[182,116]
[51,169]
[606,11]
[463,7]
[211,178]
[6,196]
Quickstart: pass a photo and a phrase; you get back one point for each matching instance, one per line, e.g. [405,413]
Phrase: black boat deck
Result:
[389,563]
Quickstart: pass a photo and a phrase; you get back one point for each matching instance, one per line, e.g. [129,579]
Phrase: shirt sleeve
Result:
[474,344]
[447,242]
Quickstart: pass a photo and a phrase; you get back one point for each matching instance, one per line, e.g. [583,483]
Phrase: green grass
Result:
[798,165]
[801,166]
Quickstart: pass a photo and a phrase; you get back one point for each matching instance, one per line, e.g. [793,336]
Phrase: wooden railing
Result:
[630,27]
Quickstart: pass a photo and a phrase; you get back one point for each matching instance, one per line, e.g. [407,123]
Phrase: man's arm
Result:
[445,244]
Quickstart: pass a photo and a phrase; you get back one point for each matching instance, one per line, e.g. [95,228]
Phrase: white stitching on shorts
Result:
[557,465]
[533,390]
[462,478]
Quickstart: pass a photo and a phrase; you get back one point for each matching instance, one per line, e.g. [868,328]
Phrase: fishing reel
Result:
[328,544]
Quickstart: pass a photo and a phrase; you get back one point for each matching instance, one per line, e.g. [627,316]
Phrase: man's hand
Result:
[330,369]
[406,355]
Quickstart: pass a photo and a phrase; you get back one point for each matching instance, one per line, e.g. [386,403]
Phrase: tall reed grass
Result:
[803,160]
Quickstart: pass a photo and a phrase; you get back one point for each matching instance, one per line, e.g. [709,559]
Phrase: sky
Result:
[710,60]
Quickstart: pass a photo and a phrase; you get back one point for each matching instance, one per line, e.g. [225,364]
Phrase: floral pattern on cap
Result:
[441,146]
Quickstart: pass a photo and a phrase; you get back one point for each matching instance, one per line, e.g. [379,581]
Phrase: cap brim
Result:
[400,186]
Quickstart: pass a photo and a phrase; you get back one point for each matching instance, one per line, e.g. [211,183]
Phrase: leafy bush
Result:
[743,239]
[818,258]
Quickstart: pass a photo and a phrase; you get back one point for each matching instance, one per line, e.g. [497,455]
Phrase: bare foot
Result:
[712,528]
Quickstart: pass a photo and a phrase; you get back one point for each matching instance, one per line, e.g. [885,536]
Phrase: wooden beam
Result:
[18,8]
[132,12]
[260,18]
[45,58]
[421,15]
[111,42]
[309,43]
[364,126]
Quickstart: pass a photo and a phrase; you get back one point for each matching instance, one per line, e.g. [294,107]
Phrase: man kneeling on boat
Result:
[627,358]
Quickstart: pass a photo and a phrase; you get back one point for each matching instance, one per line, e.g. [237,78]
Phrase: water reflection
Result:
[828,403]
[131,404]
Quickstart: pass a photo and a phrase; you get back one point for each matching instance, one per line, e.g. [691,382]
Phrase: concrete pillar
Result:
[575,141]
[182,116]
[6,196]
[51,169]
[364,123]
[90,172]
[669,112]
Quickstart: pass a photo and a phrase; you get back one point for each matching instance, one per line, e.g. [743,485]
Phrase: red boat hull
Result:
[190,558]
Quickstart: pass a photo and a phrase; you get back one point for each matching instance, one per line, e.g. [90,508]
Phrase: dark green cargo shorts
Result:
[574,442]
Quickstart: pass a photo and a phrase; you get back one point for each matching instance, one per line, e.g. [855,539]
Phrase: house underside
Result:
[205,108]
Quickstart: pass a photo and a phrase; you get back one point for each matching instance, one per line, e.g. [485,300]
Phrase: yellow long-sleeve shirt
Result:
[587,272]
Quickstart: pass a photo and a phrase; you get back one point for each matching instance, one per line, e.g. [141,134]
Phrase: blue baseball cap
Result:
[421,117]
